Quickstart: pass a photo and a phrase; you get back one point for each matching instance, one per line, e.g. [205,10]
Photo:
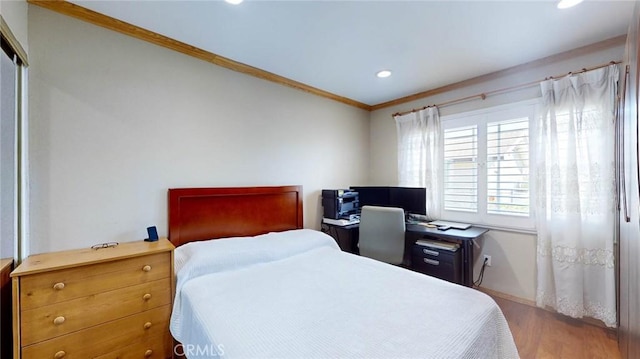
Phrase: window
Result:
[486,167]
[461,169]
[508,167]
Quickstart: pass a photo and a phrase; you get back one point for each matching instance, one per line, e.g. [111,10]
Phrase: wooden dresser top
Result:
[5,262]
[38,263]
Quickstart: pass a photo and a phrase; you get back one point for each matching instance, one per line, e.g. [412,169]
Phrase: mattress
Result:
[301,297]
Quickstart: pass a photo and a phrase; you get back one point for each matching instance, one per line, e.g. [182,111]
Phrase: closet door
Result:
[629,294]
[8,189]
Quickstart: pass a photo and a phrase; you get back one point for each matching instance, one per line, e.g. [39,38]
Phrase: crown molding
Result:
[66,8]
[602,45]
[95,18]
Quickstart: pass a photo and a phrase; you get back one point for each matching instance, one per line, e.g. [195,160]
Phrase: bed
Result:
[251,283]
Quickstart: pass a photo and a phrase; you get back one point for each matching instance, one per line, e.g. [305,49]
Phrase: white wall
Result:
[513,254]
[115,122]
[14,12]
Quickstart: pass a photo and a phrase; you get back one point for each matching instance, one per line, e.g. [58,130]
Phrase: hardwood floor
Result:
[540,334]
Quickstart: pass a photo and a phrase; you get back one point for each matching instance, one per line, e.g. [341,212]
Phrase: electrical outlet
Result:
[487,259]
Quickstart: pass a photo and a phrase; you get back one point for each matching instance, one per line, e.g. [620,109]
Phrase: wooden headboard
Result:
[197,214]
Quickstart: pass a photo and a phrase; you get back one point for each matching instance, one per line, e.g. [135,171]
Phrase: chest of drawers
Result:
[110,302]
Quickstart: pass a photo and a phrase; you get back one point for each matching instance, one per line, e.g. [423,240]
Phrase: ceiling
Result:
[338,46]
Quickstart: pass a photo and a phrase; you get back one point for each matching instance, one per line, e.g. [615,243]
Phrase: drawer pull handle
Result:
[430,252]
[58,286]
[146,296]
[146,268]
[147,325]
[60,355]
[148,353]
[431,261]
[58,320]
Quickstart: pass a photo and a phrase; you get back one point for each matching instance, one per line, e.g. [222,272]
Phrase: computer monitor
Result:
[411,199]
[372,196]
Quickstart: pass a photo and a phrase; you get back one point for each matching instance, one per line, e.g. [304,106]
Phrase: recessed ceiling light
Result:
[564,4]
[383,73]
[234,2]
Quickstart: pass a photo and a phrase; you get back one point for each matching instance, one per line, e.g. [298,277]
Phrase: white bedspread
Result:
[320,302]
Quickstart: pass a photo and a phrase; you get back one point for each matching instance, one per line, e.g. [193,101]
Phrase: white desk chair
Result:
[382,233]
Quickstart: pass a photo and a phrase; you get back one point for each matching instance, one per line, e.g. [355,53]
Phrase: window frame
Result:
[481,118]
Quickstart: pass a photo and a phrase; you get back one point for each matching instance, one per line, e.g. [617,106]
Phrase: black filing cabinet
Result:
[437,262]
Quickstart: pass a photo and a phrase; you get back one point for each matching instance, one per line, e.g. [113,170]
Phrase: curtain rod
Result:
[506,89]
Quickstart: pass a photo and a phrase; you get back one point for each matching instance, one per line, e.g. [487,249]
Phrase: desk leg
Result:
[347,238]
[467,263]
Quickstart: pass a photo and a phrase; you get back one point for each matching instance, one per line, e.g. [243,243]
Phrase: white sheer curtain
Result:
[419,154]
[575,190]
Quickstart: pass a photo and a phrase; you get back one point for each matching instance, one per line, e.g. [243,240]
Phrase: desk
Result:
[347,239]
[345,236]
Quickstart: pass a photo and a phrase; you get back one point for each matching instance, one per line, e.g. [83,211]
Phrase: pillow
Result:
[204,257]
